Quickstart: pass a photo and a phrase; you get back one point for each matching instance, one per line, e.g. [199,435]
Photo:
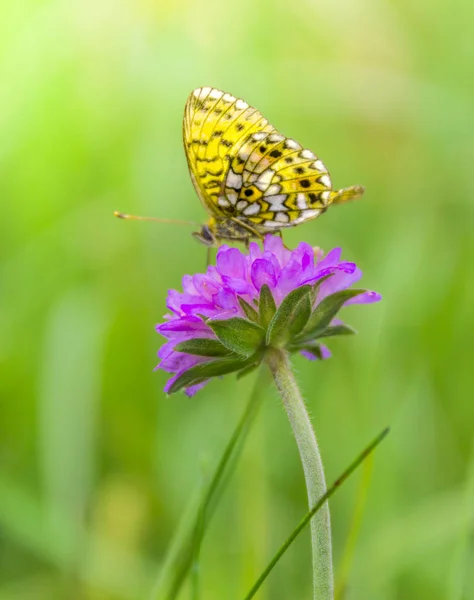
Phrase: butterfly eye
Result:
[205,236]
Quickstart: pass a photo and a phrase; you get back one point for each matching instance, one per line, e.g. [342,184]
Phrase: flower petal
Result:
[262,272]
[188,325]
[218,294]
[191,390]
[325,353]
[231,263]
[274,245]
[365,298]
[180,362]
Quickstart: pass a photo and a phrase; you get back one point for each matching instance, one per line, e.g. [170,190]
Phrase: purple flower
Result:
[225,318]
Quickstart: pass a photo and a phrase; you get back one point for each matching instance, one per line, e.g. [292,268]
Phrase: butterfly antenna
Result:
[136,218]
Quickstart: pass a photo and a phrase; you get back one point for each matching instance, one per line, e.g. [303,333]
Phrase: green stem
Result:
[323,585]
[302,524]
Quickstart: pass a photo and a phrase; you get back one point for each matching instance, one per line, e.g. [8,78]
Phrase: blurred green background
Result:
[96,464]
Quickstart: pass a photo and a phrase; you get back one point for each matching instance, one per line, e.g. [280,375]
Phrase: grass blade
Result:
[284,547]
[186,548]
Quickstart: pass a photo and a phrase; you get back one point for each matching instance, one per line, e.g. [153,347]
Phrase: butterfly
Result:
[250,178]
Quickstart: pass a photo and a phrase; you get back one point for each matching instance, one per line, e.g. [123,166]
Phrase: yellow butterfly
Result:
[251,179]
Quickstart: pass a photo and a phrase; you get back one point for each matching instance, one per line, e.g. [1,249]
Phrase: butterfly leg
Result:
[248,227]
[280,233]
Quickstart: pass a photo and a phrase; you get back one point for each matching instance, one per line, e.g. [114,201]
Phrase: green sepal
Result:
[334,330]
[301,316]
[204,347]
[213,368]
[290,317]
[266,306]
[250,311]
[325,312]
[239,335]
[317,285]
[314,349]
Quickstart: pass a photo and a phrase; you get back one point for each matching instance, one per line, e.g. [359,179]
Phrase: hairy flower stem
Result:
[277,360]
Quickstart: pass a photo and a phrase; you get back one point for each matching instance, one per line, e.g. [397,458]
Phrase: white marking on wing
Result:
[215,94]
[301,201]
[229,98]
[241,204]
[232,197]
[276,202]
[240,104]
[234,180]
[325,195]
[305,215]
[272,224]
[307,154]
[282,217]
[252,209]
[260,135]
[276,137]
[324,179]
[273,189]
[319,165]
[292,144]
[223,202]
[265,179]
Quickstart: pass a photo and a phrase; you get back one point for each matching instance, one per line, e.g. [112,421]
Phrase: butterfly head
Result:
[206,235]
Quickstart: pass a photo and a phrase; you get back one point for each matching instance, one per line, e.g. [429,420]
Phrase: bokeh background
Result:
[97,466]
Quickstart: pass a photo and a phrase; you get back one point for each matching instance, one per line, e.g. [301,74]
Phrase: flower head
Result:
[226,318]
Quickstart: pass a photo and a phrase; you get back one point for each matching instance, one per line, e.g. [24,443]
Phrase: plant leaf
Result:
[290,317]
[334,330]
[325,312]
[267,306]
[312,347]
[204,347]
[239,335]
[213,368]
[317,285]
[250,311]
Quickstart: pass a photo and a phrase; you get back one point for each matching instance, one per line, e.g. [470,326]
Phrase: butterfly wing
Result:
[243,169]
[215,127]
